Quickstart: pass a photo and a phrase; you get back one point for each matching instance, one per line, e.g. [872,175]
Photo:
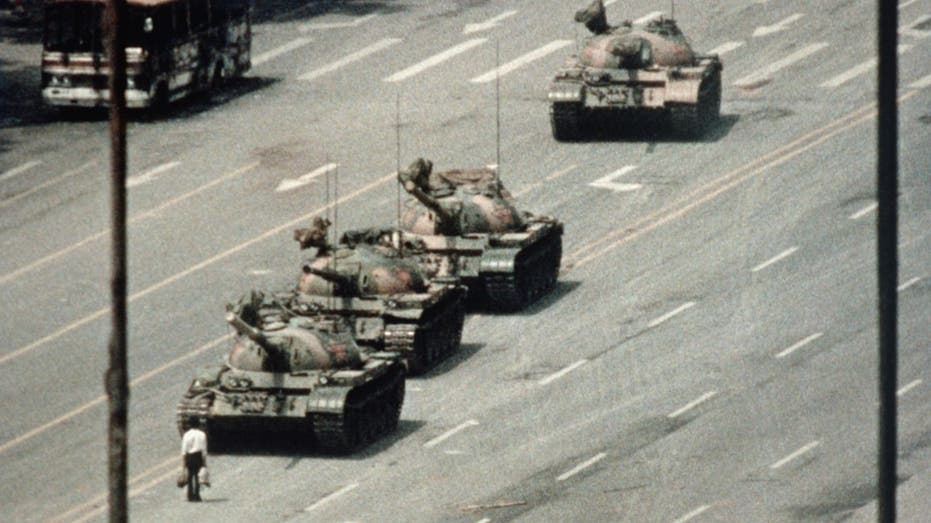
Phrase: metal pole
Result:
[116,382]
[887,257]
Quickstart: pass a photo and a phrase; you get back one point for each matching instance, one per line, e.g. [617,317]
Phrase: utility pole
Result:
[886,255]
[115,378]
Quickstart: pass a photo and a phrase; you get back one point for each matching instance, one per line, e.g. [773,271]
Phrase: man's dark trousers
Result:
[193,462]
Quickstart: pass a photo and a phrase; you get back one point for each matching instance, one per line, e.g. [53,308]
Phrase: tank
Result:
[467,226]
[635,69]
[383,292]
[304,376]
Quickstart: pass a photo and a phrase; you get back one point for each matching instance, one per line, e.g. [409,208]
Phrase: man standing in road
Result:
[194,454]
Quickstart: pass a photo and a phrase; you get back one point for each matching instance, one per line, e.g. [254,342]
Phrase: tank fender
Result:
[683,91]
[498,261]
[326,399]
[566,92]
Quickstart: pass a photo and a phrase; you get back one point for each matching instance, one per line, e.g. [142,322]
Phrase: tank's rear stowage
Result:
[636,70]
[299,375]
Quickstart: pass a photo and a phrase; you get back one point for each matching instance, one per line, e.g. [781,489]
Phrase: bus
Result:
[173,48]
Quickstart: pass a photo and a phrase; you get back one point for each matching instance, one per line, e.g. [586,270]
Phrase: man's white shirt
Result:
[194,440]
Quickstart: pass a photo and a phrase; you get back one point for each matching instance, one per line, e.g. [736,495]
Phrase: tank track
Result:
[436,337]
[691,120]
[566,121]
[535,272]
[371,411]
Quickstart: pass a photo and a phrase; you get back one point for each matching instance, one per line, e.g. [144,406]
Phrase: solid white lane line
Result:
[348,59]
[799,345]
[19,170]
[487,24]
[330,497]
[794,455]
[556,375]
[561,172]
[48,183]
[685,306]
[647,17]
[726,47]
[581,466]
[151,174]
[773,67]
[703,398]
[904,390]
[298,42]
[908,284]
[693,514]
[336,25]
[907,3]
[921,83]
[435,60]
[864,211]
[449,433]
[521,61]
[779,26]
[775,259]
[289,184]
[857,70]
[607,182]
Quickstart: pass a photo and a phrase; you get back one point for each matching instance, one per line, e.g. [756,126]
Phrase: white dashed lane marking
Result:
[921,83]
[782,25]
[766,73]
[450,433]
[336,25]
[904,390]
[487,24]
[289,184]
[782,462]
[669,315]
[150,175]
[725,48]
[350,58]
[521,61]
[864,211]
[908,284]
[19,170]
[261,58]
[775,259]
[691,405]
[798,345]
[330,497]
[581,466]
[558,374]
[693,514]
[435,60]
[857,70]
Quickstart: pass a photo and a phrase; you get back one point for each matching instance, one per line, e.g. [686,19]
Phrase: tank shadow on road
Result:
[603,128]
[561,289]
[466,351]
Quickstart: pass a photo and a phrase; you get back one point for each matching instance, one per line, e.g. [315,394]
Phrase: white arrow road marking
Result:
[336,25]
[726,47]
[647,17]
[781,25]
[150,175]
[435,60]
[921,83]
[774,67]
[330,497]
[857,70]
[909,30]
[348,59]
[581,466]
[289,184]
[19,170]
[487,24]
[280,50]
[449,433]
[607,182]
[797,453]
[521,61]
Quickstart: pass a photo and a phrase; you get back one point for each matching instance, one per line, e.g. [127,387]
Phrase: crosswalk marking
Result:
[435,60]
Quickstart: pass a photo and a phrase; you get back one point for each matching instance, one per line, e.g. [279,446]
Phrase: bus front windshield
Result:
[78,26]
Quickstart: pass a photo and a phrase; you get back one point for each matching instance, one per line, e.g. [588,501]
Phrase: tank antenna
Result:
[397,136]
[672,9]
[498,108]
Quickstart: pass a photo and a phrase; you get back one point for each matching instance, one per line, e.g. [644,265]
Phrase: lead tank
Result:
[469,228]
[305,376]
[382,291]
[635,69]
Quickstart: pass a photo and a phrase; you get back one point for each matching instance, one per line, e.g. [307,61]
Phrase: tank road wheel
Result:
[566,121]
[691,120]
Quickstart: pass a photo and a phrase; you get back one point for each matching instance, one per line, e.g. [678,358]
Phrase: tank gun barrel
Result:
[249,331]
[342,281]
